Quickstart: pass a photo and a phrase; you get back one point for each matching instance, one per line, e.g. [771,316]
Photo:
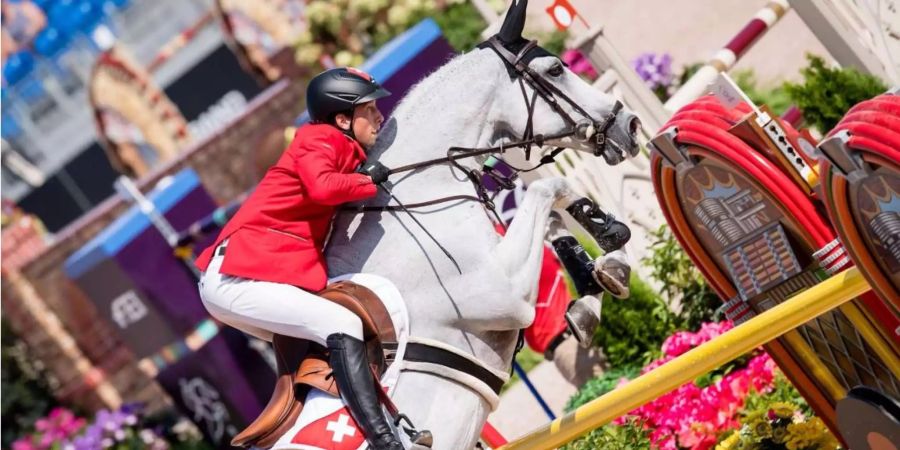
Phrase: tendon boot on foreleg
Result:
[583,315]
[612,271]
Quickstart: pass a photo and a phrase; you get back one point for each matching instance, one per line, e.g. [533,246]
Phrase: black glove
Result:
[379,172]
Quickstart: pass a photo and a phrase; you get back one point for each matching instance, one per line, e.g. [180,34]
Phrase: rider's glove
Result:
[377,171]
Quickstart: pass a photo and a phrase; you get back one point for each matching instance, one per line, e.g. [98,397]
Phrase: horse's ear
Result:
[511,31]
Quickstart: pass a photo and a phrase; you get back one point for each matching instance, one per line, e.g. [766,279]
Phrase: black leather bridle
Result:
[584,130]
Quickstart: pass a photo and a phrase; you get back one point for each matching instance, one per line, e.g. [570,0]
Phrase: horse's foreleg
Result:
[519,252]
[611,272]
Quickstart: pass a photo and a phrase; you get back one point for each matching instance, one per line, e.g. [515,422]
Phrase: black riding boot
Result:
[356,384]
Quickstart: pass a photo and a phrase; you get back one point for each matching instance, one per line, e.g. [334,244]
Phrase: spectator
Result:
[22,19]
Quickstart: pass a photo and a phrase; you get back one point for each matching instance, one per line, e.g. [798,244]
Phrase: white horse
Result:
[472,101]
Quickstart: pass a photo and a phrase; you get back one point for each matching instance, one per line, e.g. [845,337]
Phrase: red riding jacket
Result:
[280,231]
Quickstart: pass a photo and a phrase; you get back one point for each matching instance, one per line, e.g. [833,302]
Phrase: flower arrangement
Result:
[579,64]
[781,427]
[59,425]
[695,414]
[745,404]
[111,429]
[656,71]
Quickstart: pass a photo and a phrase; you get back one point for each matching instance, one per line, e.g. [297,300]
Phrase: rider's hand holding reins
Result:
[375,170]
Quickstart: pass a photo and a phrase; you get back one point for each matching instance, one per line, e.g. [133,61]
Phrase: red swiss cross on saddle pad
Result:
[336,431]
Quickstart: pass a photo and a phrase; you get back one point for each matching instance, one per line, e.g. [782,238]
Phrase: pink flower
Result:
[24,443]
[578,63]
[691,417]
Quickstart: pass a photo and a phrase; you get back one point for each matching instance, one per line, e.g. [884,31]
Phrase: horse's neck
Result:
[451,108]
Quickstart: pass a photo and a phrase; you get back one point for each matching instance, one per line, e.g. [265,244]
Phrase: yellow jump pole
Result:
[763,328]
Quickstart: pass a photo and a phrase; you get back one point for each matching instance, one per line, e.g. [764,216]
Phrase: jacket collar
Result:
[331,130]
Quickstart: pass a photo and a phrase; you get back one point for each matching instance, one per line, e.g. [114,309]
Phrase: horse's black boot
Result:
[609,233]
[357,386]
[578,265]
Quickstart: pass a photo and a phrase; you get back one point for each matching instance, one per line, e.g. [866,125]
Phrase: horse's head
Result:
[544,98]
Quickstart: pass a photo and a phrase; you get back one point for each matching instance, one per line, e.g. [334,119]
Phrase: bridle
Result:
[584,130]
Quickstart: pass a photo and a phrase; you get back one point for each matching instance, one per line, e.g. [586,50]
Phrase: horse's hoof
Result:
[583,318]
[613,275]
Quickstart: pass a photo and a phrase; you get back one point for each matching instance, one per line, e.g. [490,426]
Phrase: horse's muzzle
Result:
[621,139]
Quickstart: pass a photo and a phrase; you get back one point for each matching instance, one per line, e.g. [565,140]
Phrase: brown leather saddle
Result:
[302,364]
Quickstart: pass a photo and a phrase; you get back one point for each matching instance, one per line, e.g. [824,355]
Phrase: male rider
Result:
[263,271]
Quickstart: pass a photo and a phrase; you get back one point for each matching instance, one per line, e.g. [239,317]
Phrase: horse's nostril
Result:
[634,125]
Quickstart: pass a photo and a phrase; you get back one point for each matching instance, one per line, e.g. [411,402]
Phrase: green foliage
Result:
[633,329]
[629,436]
[26,396]
[826,94]
[461,24]
[782,392]
[601,385]
[681,281]
[554,41]
[777,99]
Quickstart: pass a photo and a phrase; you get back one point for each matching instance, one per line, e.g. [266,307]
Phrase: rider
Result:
[274,264]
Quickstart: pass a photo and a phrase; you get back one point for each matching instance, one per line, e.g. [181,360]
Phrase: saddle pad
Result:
[325,423]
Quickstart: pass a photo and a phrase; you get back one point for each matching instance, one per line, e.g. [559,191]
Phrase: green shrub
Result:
[777,98]
[554,41]
[26,394]
[461,24]
[827,93]
[601,385]
[633,329]
[681,282]
[629,436]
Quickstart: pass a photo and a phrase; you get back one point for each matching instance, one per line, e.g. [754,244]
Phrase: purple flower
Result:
[654,69]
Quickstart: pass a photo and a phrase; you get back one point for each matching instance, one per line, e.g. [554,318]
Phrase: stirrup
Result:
[423,438]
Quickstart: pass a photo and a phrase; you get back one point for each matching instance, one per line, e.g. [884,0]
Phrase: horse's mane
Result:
[468,78]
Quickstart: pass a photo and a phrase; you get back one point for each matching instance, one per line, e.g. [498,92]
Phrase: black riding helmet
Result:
[338,91]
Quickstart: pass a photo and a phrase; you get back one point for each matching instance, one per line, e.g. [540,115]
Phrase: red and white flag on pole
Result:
[563,14]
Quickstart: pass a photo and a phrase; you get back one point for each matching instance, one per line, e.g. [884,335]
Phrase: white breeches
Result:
[261,308]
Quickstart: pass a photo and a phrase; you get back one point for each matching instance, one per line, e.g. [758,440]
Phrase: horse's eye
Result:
[555,70]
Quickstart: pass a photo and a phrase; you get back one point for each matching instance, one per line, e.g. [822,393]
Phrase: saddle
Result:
[302,365]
